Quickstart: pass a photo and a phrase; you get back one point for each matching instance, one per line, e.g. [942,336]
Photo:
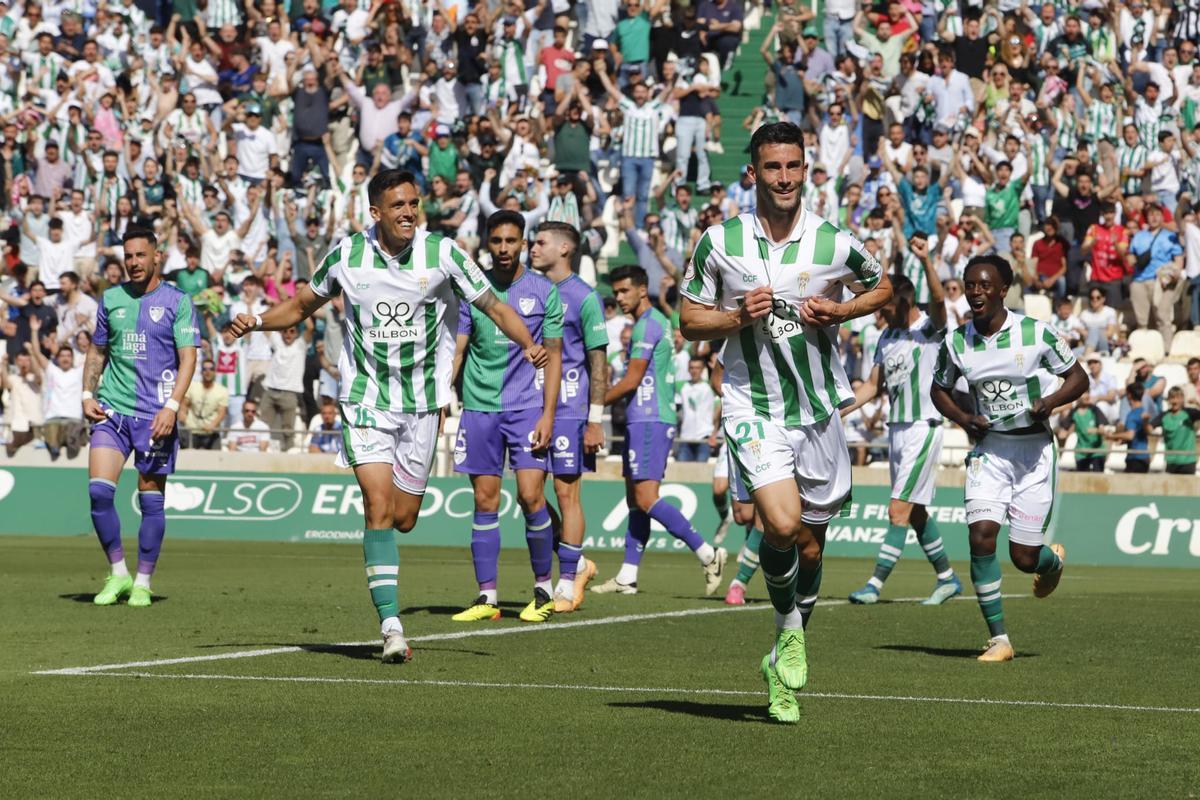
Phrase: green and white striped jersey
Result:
[1131,158]
[906,359]
[778,367]
[1039,160]
[642,127]
[913,268]
[1006,372]
[1066,131]
[1101,121]
[399,329]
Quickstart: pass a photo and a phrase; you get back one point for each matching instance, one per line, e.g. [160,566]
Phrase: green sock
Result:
[935,551]
[779,568]
[889,554]
[985,574]
[383,569]
[808,586]
[721,503]
[1048,561]
[748,557]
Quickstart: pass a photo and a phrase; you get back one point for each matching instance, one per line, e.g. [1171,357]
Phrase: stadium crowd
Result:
[1062,135]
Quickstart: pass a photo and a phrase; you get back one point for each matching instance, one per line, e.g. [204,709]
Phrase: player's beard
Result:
[776,207]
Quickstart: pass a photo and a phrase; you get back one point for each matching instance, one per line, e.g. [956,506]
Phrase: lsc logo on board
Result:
[243,498]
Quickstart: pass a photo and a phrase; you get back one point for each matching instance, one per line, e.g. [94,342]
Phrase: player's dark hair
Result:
[133,233]
[998,263]
[632,273]
[775,133]
[506,217]
[388,179]
[563,229]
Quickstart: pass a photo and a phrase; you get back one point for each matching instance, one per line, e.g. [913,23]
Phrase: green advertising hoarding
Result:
[1095,528]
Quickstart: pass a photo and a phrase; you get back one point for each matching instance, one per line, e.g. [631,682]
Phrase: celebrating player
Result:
[650,420]
[770,284]
[508,407]
[1009,362]
[400,285]
[137,371]
[578,428]
[904,358]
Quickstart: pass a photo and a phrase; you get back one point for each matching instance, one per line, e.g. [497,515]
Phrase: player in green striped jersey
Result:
[903,366]
[401,286]
[1010,363]
[771,284]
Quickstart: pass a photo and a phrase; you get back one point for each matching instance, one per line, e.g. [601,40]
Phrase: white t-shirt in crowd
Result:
[255,146]
[215,249]
[287,364]
[248,440]
[259,346]
[64,389]
[55,258]
[698,401]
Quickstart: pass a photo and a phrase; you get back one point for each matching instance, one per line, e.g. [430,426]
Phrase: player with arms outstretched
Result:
[508,409]
[904,361]
[401,286]
[771,284]
[1011,363]
[650,420]
[578,423]
[138,369]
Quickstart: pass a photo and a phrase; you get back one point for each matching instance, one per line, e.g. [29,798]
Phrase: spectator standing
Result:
[62,387]
[1088,423]
[284,384]
[1050,257]
[24,411]
[310,126]
[76,311]
[699,415]
[1179,426]
[204,408]
[1107,243]
[640,147]
[720,23]
[1134,430]
[1158,274]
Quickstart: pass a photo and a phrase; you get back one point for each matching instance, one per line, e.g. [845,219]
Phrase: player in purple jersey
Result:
[508,408]
[578,424]
[649,391]
[137,371]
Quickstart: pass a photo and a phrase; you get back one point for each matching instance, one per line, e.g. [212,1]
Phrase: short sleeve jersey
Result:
[906,359]
[779,368]
[654,398]
[583,330]
[1006,372]
[398,343]
[496,375]
[143,334]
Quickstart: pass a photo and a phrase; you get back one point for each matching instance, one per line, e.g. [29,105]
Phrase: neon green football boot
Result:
[139,597]
[540,608]
[781,703]
[115,587]
[479,611]
[791,658]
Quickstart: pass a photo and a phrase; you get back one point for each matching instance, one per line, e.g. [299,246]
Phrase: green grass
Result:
[1109,636]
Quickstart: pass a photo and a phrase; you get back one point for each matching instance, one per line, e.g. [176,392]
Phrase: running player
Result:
[742,512]
[770,284]
[508,407]
[650,420]
[139,367]
[578,422]
[400,286]
[1010,362]
[904,359]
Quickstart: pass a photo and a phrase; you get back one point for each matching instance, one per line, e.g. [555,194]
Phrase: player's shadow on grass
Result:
[88,597]
[946,652]
[370,652]
[734,713]
[448,611]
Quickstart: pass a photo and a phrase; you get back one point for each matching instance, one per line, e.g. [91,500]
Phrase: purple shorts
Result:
[485,436]
[647,445]
[566,451]
[132,435]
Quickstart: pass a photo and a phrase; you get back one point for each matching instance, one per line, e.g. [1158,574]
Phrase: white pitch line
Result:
[983,701]
[450,636]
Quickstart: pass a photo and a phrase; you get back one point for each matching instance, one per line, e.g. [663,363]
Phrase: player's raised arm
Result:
[510,323]
[281,316]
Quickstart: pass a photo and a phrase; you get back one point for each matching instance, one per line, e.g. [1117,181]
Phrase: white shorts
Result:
[406,441]
[814,456]
[721,468]
[913,452]
[1012,479]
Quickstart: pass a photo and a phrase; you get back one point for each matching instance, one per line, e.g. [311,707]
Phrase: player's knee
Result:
[1024,559]
[102,494]
[645,501]
[899,513]
[404,522]
[530,502]
[810,553]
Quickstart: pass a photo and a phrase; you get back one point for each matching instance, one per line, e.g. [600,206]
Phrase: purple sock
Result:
[105,518]
[150,533]
[540,538]
[676,523]
[485,548]
[569,556]
[636,536]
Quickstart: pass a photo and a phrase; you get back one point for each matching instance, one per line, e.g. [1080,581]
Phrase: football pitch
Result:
[256,674]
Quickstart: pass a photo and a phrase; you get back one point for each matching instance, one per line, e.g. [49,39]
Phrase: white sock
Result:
[947,575]
[627,574]
[792,620]
[566,587]
[142,580]
[706,553]
[391,625]
[875,583]
[119,569]
[1003,638]
[489,596]
[737,582]
[546,586]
